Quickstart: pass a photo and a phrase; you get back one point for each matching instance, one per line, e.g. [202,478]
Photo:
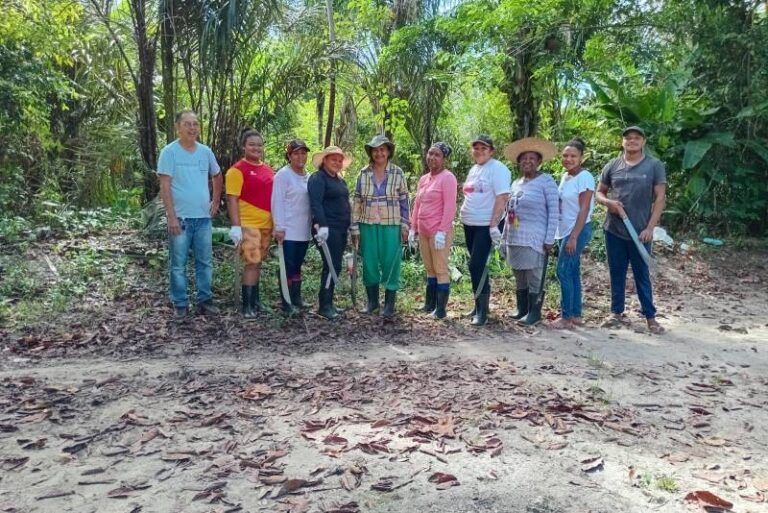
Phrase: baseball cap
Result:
[483,139]
[633,128]
[293,145]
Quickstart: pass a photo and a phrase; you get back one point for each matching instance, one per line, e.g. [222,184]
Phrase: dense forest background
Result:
[88,90]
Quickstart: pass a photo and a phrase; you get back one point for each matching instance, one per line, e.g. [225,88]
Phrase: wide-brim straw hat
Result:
[546,149]
[317,158]
[380,140]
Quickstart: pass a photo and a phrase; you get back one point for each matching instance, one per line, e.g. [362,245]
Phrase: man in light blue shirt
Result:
[183,169]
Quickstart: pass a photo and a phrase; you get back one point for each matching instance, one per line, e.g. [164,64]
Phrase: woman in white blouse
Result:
[291,217]
[574,231]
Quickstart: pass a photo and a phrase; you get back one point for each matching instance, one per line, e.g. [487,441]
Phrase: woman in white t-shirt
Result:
[574,231]
[486,191]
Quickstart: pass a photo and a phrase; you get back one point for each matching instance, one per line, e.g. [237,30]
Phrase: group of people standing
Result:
[524,219]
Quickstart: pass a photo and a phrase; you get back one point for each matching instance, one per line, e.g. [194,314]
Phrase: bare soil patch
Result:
[114,407]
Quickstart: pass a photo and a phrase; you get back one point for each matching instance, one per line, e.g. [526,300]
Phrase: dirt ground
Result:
[123,410]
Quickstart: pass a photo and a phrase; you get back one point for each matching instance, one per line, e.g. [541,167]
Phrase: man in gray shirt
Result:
[635,183]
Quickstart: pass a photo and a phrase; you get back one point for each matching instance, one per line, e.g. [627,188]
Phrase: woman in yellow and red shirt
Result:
[249,195]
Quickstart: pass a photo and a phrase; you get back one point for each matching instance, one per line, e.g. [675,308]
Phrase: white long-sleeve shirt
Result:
[290,205]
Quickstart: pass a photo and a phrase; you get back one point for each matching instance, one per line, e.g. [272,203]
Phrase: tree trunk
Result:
[320,109]
[518,85]
[145,49]
[332,74]
[167,34]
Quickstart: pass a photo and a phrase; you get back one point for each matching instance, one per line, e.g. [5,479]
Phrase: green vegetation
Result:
[88,88]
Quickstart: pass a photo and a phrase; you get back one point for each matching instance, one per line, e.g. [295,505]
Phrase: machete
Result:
[633,234]
[237,277]
[484,276]
[329,261]
[283,275]
[353,277]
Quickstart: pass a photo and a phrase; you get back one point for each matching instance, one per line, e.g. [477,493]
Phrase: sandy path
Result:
[689,406]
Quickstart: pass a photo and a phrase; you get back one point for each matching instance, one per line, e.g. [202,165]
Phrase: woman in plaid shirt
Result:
[380,221]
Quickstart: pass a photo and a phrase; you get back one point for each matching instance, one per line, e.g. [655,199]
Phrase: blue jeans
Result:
[294,251]
[569,273]
[621,253]
[479,245]
[195,233]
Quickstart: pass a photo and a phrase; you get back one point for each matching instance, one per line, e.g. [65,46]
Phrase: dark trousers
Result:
[337,241]
[478,239]
[295,251]
[621,253]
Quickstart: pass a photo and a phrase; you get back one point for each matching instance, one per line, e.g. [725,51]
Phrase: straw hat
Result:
[544,148]
[317,158]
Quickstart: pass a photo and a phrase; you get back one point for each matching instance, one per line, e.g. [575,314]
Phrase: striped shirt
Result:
[533,213]
[380,203]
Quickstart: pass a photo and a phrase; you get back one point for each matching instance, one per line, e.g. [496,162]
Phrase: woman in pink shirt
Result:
[433,213]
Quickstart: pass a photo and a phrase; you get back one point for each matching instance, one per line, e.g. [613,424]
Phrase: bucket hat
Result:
[379,140]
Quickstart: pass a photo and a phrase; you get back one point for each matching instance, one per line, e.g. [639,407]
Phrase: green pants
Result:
[380,248]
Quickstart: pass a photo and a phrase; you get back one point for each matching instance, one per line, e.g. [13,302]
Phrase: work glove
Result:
[236,235]
[495,235]
[412,240]
[439,240]
[322,234]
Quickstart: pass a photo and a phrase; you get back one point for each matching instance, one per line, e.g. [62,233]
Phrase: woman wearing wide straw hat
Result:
[380,221]
[329,204]
[292,218]
[532,216]
[486,191]
[433,213]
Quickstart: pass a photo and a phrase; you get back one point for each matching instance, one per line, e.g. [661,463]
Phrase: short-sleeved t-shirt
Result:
[254,204]
[481,187]
[633,186]
[570,189]
[189,171]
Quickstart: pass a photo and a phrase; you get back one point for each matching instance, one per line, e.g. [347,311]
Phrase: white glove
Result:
[439,240]
[322,234]
[495,234]
[236,235]
[412,240]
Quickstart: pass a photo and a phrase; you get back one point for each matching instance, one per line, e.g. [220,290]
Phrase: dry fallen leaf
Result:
[678,457]
[592,464]
[291,485]
[443,480]
[708,499]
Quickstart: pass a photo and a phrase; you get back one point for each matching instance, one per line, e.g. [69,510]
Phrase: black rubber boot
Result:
[441,303]
[325,300]
[289,309]
[246,302]
[534,311]
[256,303]
[522,304]
[373,299]
[430,298]
[481,316]
[390,297]
[295,290]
